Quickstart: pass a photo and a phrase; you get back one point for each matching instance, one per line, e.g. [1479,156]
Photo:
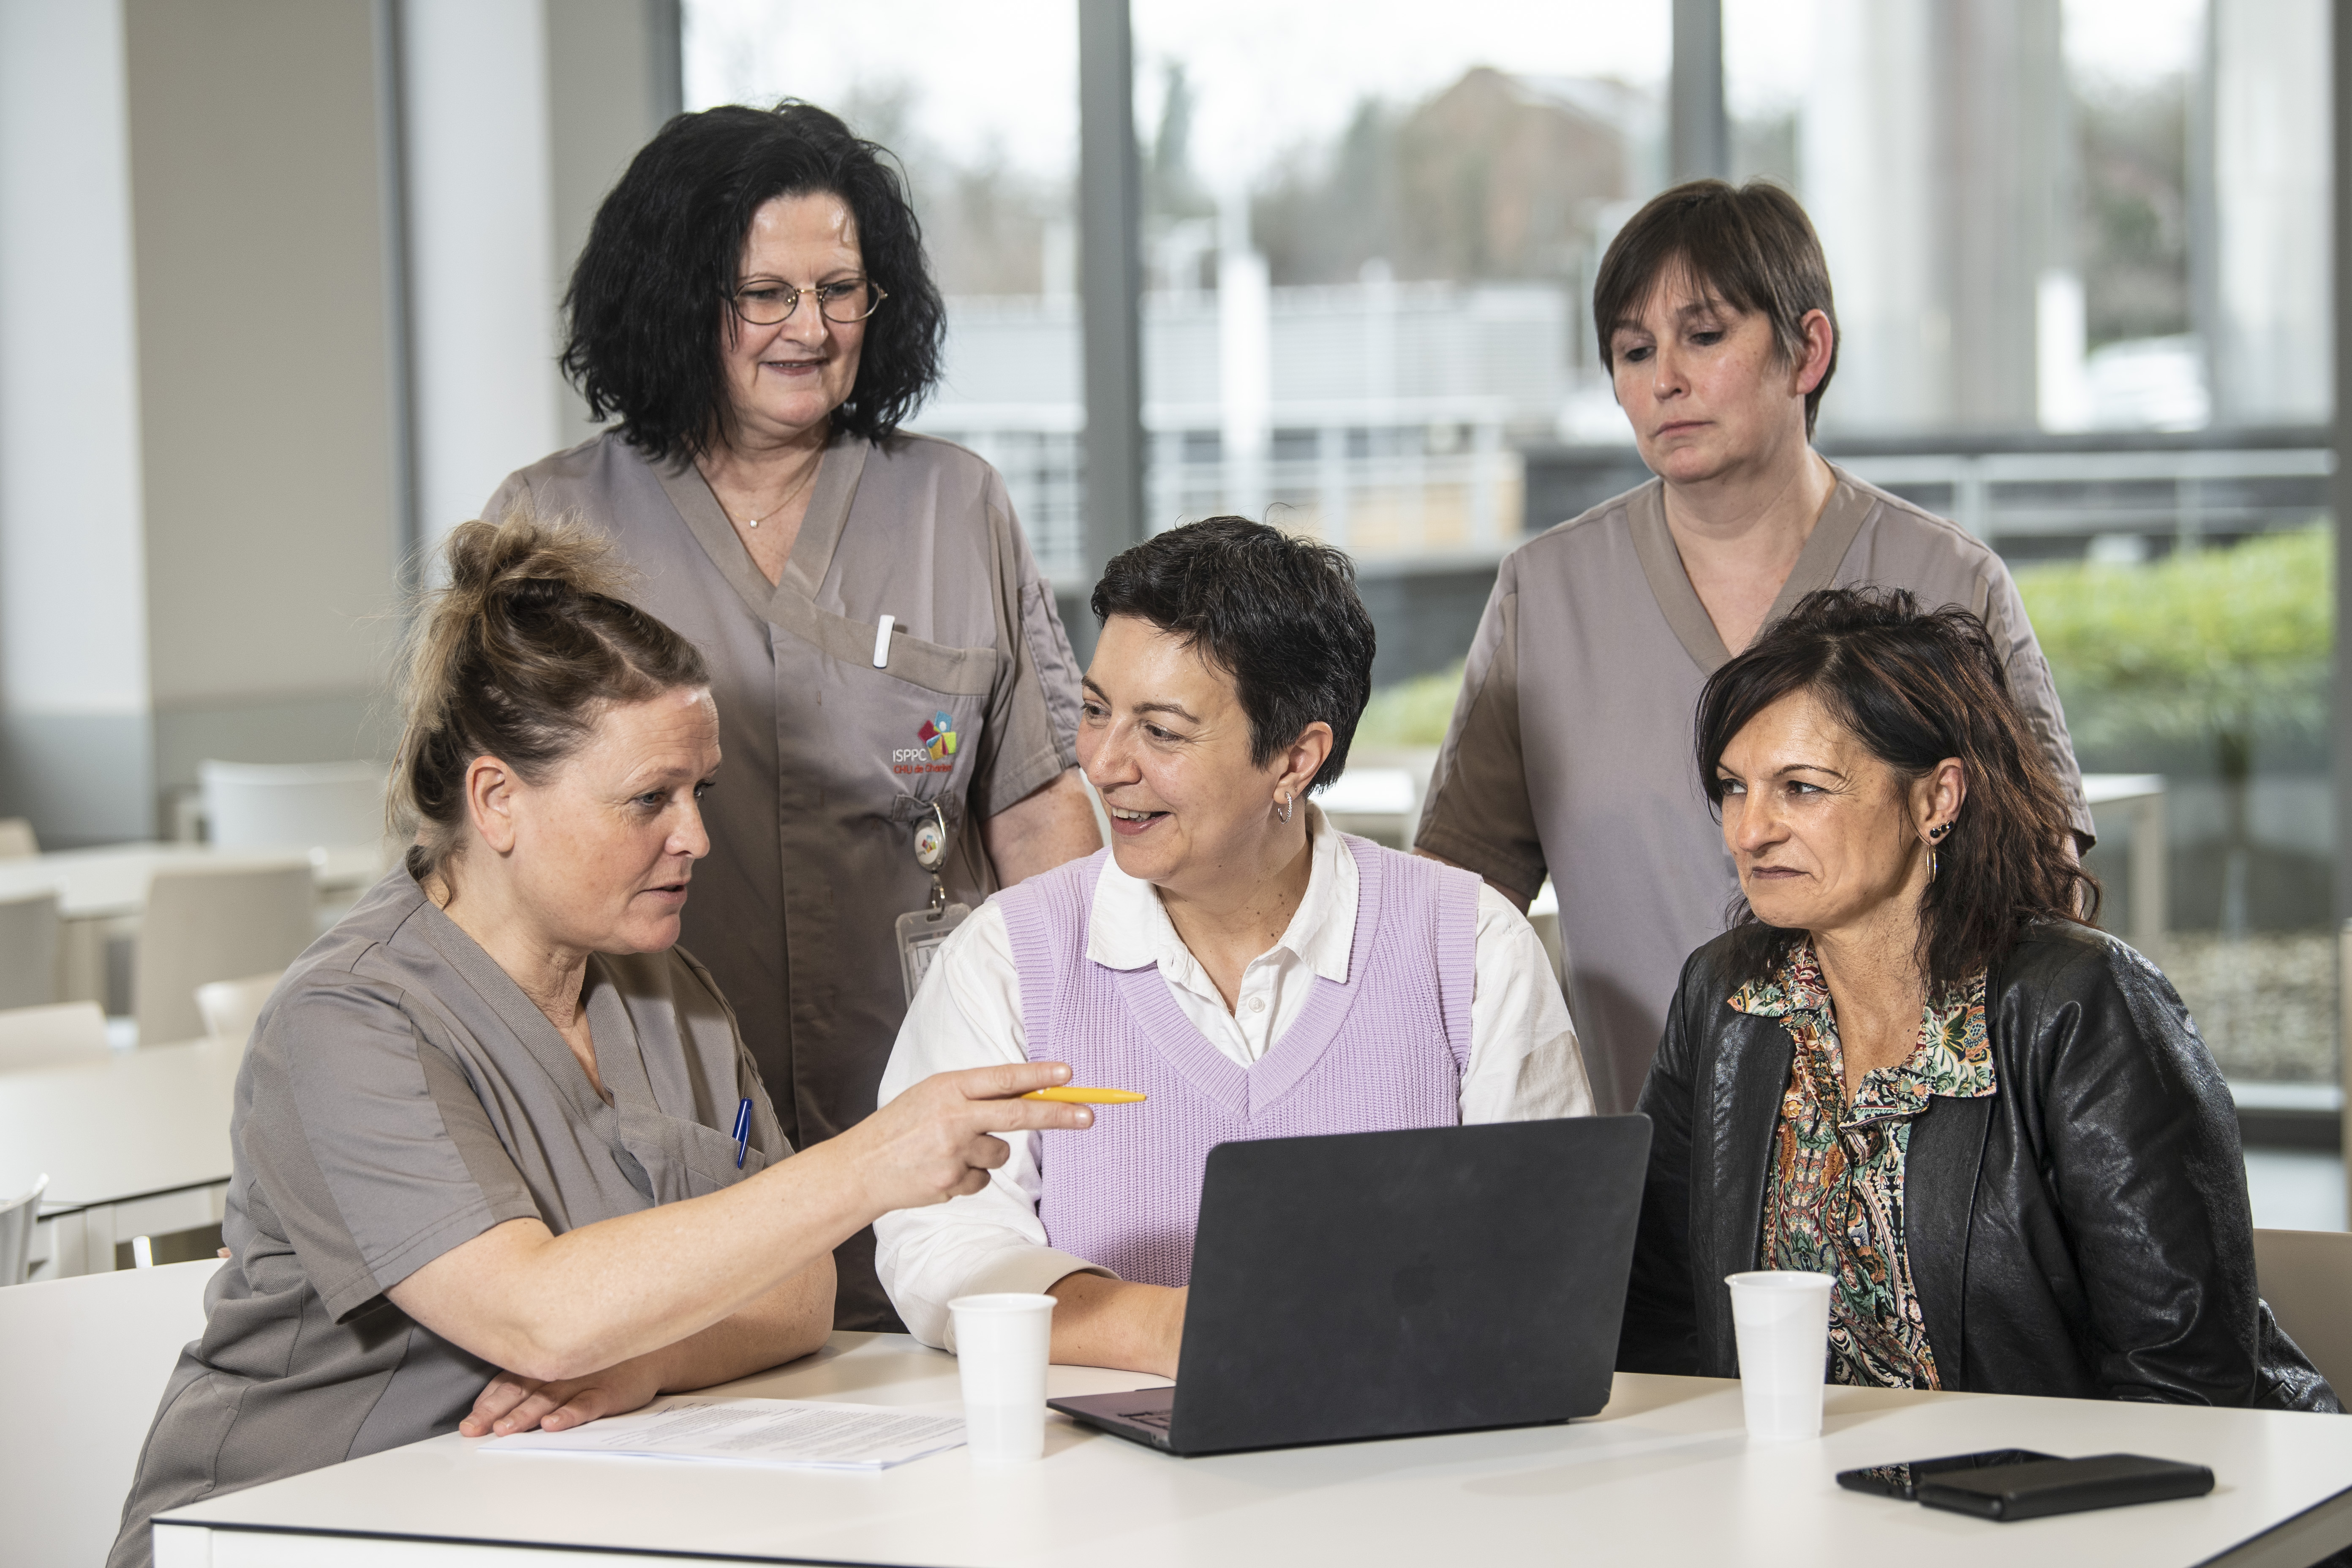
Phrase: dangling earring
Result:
[1934,836]
[1282,812]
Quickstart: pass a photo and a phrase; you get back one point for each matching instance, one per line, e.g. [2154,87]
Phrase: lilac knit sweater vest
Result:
[1385,1050]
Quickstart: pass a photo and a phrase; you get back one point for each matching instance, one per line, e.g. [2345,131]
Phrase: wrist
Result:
[830,1193]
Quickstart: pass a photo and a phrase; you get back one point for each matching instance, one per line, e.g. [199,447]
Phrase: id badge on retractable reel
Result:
[920,932]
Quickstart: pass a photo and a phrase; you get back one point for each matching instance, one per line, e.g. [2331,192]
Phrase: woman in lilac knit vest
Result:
[1252,970]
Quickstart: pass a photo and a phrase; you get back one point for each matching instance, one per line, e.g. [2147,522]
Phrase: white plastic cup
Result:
[1782,1320]
[1001,1345]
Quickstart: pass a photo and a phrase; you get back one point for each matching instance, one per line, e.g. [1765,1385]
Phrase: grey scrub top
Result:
[1570,747]
[401,1097]
[829,761]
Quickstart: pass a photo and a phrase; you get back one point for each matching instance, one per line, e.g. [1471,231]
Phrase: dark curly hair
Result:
[654,290]
[1277,613]
[1915,687]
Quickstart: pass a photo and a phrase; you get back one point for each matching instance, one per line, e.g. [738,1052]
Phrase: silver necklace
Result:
[789,496]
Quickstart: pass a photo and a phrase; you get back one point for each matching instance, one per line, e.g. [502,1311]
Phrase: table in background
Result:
[2141,795]
[101,891]
[1664,1475]
[135,1144]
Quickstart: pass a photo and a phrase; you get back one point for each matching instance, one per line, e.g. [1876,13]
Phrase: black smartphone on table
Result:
[1903,1480]
[2016,1483]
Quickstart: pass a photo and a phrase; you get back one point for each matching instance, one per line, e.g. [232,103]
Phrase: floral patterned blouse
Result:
[1833,1203]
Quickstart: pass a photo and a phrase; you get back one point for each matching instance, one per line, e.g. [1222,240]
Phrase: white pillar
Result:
[2062,335]
[1245,358]
[482,318]
[75,752]
[2273,291]
[1868,153]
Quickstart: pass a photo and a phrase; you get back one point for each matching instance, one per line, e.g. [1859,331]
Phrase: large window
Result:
[1367,248]
[980,103]
[2081,259]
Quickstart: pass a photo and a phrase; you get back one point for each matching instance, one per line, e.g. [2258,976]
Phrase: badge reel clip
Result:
[920,932]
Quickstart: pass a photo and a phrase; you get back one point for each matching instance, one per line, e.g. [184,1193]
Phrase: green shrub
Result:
[1410,713]
[2211,644]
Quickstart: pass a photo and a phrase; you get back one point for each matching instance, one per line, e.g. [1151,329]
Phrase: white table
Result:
[101,891]
[1664,1475]
[98,884]
[2142,797]
[135,1144]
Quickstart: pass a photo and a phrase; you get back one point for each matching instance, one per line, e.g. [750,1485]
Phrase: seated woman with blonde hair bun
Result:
[1912,1064]
[463,1105]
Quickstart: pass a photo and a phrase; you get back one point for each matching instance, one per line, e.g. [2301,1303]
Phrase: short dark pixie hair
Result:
[1915,687]
[1277,613]
[1750,246]
[654,290]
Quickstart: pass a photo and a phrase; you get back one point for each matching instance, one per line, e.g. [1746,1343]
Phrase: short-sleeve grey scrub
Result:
[1569,751]
[401,1097]
[832,755]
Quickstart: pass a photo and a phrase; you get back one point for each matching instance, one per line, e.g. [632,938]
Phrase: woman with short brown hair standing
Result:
[1568,753]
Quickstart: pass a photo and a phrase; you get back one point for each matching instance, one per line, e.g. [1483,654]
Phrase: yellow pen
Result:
[1071,1094]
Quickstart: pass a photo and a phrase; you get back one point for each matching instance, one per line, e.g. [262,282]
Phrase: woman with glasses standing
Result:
[899,702]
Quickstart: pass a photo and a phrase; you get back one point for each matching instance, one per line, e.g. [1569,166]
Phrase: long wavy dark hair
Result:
[653,293]
[1915,687]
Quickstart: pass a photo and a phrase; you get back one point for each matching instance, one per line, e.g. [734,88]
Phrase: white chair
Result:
[16,840]
[87,1362]
[17,1217]
[296,805]
[28,950]
[61,1032]
[203,924]
[229,1007]
[2306,1277]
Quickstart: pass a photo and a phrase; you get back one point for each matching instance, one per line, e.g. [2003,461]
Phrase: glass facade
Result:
[2080,249]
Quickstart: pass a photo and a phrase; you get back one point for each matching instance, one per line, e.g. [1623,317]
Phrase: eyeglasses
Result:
[767,301]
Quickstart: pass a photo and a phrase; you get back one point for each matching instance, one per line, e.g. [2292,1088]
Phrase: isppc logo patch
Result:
[937,753]
[939,736]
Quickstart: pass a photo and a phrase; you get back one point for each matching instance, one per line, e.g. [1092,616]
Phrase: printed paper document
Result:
[755,1431]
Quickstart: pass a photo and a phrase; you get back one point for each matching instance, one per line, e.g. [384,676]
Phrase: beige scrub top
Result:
[401,1097]
[828,760]
[1570,753]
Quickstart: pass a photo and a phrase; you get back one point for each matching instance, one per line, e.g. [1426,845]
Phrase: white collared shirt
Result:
[1524,1064]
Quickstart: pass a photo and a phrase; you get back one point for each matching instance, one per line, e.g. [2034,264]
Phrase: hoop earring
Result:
[1282,812]
[1935,836]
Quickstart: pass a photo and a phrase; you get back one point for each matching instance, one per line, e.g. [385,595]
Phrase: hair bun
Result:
[540,561]
[535,593]
[500,556]
[514,658]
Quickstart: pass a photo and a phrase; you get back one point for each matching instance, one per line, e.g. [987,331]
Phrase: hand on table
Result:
[512,1403]
[936,1141]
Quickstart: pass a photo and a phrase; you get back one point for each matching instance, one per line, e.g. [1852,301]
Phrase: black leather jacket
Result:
[2081,1231]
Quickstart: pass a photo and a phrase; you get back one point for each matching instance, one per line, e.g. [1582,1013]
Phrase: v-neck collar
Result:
[837,473]
[1848,508]
[1246,1092]
[617,1059]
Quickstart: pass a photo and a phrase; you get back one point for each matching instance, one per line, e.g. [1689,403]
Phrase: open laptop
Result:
[1383,1284]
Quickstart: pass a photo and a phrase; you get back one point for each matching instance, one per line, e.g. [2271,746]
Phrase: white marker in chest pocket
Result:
[920,932]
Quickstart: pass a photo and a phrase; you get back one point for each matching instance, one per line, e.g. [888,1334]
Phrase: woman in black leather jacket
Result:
[1911,1065]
